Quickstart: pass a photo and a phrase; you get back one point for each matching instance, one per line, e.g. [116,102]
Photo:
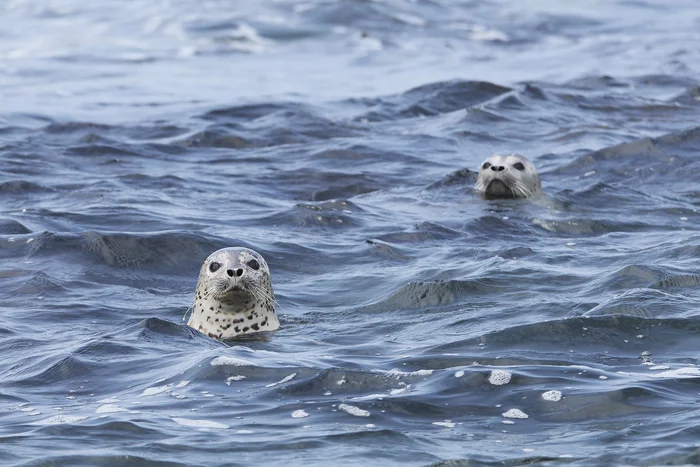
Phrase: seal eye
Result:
[519,166]
[486,165]
[213,267]
[254,264]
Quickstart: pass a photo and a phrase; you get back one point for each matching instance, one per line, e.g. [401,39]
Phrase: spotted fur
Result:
[232,296]
[511,176]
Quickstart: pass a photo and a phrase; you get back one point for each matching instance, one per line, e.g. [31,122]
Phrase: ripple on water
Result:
[415,314]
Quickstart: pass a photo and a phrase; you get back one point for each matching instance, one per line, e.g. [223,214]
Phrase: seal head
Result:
[511,176]
[234,295]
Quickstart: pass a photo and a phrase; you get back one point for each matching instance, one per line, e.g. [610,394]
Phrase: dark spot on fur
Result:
[237,329]
[245,329]
[211,308]
[255,327]
[217,320]
[249,317]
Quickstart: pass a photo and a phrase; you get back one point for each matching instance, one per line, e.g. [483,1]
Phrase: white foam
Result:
[370,397]
[499,377]
[61,420]
[198,423]
[552,396]
[515,413]
[109,400]
[282,381]
[182,384]
[508,422]
[156,390]
[686,372]
[659,367]
[249,350]
[352,410]
[230,361]
[370,425]
[410,19]
[110,408]
[398,373]
[459,374]
[235,378]
[446,424]
[482,33]
[299,414]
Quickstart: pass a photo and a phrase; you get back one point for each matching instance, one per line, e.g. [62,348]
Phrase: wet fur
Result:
[518,183]
[228,306]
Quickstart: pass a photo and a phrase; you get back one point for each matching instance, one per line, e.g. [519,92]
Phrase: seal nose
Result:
[231,272]
[497,168]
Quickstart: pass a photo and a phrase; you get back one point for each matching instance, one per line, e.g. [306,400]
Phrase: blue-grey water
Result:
[421,324]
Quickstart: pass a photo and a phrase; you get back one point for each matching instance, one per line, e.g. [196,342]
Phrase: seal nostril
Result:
[494,168]
[500,168]
[239,272]
[229,272]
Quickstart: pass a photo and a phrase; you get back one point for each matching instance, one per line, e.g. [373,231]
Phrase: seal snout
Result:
[497,168]
[498,188]
[238,272]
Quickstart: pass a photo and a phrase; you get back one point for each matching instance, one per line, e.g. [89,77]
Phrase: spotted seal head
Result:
[234,295]
[511,176]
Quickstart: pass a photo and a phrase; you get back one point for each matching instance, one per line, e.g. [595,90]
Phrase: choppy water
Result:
[420,323]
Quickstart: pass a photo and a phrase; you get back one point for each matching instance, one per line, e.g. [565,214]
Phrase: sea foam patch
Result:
[515,413]
[552,396]
[225,360]
[61,420]
[199,423]
[352,410]
[500,377]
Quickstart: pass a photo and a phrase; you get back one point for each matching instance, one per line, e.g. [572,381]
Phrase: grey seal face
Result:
[234,275]
[510,176]
[234,295]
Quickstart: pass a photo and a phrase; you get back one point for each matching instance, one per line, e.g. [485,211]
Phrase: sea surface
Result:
[421,324]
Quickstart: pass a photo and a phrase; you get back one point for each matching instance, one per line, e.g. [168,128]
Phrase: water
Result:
[420,324]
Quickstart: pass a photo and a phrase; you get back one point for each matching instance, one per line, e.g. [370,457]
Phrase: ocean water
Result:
[421,324]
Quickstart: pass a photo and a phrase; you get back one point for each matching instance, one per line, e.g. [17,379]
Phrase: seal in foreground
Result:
[234,295]
[511,176]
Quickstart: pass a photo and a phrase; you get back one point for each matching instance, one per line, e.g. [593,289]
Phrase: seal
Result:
[511,176]
[234,295]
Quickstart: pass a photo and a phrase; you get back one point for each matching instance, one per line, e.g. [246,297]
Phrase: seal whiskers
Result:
[234,295]
[512,176]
